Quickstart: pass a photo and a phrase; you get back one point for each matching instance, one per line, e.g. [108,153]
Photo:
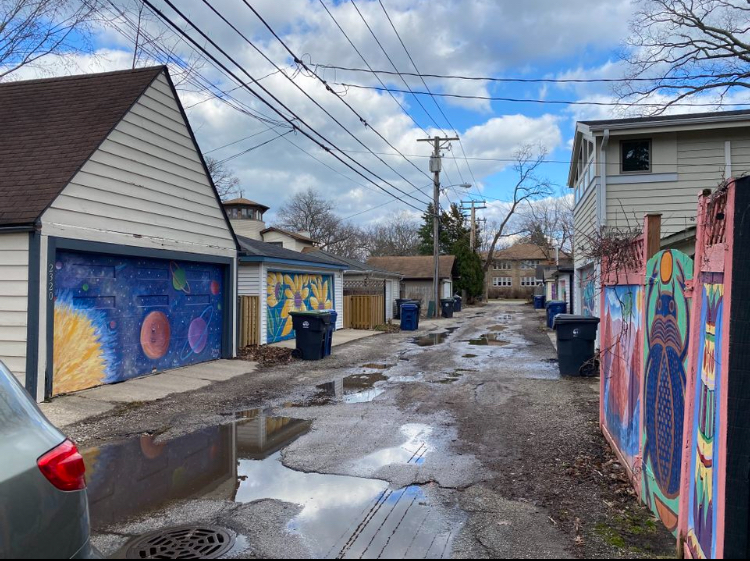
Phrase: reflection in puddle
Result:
[412,451]
[431,340]
[470,356]
[498,328]
[489,339]
[358,388]
[340,516]
[376,366]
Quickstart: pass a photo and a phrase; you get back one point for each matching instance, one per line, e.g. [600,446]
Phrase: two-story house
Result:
[623,169]
[512,273]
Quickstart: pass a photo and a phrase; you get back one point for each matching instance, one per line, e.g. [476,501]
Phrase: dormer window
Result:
[636,155]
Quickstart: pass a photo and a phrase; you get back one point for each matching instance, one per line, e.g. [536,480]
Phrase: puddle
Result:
[498,328]
[357,388]
[489,339]
[418,377]
[451,378]
[376,366]
[431,340]
[470,356]
[340,516]
[413,451]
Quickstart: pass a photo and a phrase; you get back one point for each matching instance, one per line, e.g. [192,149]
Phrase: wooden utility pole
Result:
[474,210]
[435,167]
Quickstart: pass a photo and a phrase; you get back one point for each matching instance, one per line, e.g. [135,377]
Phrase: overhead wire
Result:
[309,135]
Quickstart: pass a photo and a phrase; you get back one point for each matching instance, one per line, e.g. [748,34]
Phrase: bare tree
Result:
[398,235]
[548,224]
[32,29]
[307,211]
[681,48]
[227,183]
[529,187]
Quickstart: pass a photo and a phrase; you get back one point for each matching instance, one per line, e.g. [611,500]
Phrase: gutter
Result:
[262,259]
[614,125]
[602,197]
[13,229]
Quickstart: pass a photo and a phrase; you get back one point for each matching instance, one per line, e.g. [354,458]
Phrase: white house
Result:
[116,256]
[622,169]
[288,281]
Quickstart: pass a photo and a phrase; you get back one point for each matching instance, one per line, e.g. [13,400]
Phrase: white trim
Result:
[727,159]
[642,178]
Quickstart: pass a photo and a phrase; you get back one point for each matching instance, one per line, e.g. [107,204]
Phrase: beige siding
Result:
[288,242]
[145,187]
[14,286]
[585,225]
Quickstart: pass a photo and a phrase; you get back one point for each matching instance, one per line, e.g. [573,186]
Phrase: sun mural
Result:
[292,292]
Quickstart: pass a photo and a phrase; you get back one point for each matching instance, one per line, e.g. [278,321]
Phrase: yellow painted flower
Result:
[319,300]
[274,289]
[296,294]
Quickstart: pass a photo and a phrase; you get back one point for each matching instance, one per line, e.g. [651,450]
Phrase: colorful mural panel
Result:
[622,366]
[588,299]
[666,353]
[117,318]
[704,456]
[294,292]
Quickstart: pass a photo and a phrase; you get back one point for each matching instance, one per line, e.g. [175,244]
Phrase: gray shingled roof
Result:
[49,128]
[351,264]
[256,248]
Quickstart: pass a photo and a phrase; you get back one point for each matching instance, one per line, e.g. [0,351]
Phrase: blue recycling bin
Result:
[409,317]
[329,333]
[555,308]
[539,302]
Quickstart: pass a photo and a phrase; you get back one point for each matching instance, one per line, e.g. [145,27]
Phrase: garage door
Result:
[117,317]
[294,292]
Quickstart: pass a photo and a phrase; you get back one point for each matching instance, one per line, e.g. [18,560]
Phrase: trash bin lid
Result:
[571,318]
[409,306]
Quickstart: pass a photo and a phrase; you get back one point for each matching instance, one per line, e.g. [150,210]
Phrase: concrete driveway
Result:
[460,441]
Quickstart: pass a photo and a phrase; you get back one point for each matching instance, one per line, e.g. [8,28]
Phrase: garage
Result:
[119,317]
[295,292]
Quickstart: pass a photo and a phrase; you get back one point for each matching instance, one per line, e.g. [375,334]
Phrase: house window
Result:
[502,266]
[530,264]
[502,281]
[636,155]
[528,281]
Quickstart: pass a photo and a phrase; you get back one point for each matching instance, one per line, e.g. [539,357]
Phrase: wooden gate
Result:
[249,321]
[364,312]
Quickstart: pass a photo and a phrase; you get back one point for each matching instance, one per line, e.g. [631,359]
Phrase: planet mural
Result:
[198,334]
[155,335]
[179,278]
[215,288]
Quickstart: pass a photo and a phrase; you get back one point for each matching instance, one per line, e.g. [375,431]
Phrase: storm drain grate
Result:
[182,542]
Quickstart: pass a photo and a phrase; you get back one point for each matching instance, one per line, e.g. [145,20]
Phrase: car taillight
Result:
[63,466]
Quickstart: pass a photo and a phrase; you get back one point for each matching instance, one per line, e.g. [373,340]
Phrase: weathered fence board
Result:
[363,312]
[249,321]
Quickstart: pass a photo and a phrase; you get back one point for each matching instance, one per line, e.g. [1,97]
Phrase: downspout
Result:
[602,199]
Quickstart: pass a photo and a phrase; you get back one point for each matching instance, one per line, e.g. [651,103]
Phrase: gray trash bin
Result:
[576,344]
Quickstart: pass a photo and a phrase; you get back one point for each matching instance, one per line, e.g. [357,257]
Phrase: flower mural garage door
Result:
[294,292]
[118,318]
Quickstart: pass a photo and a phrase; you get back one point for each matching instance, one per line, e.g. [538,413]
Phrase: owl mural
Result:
[665,380]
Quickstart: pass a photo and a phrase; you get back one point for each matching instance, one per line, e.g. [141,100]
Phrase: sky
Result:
[484,38]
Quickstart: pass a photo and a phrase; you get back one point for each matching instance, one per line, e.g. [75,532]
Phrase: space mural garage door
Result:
[118,318]
[294,292]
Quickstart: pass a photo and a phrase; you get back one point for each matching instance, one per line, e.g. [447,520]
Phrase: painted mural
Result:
[704,456]
[666,353]
[117,318]
[294,292]
[622,366]
[588,299]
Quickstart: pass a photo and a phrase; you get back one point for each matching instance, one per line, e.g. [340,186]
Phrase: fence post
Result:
[652,236]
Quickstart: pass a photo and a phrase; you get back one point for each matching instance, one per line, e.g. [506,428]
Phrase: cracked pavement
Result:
[457,442]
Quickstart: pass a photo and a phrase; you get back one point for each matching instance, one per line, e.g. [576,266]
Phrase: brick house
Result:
[512,273]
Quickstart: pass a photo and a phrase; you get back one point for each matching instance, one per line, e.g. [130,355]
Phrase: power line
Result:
[368,66]
[514,80]
[434,99]
[300,62]
[538,101]
[238,154]
[266,102]
[234,142]
[377,206]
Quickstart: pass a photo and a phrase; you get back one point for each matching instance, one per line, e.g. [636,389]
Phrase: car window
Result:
[16,408]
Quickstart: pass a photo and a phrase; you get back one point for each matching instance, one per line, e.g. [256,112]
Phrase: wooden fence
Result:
[249,321]
[363,312]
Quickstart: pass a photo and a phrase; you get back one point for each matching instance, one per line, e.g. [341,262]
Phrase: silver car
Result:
[43,504]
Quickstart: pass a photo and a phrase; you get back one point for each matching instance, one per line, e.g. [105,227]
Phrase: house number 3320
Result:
[51,282]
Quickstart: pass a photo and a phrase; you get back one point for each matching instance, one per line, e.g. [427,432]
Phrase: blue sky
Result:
[533,39]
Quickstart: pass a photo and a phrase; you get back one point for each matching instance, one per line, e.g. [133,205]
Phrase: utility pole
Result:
[474,210]
[435,167]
